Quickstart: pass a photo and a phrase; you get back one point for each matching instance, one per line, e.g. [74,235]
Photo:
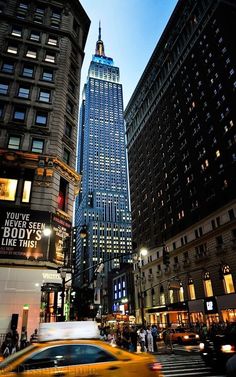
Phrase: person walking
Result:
[23,338]
[154,335]
[167,339]
[142,339]
[133,339]
[149,339]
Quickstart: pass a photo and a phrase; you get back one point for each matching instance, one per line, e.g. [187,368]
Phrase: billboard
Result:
[22,236]
[21,233]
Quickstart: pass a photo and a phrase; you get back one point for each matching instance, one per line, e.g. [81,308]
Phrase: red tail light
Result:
[155,366]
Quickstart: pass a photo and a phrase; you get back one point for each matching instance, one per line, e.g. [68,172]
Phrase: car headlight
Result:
[186,337]
[227,348]
[197,336]
[201,346]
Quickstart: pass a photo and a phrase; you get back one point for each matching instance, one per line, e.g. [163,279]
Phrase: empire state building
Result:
[102,208]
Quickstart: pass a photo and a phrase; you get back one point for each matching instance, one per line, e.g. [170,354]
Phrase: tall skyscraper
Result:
[42,49]
[103,207]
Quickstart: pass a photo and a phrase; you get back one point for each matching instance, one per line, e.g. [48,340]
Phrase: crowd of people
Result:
[131,337]
[13,342]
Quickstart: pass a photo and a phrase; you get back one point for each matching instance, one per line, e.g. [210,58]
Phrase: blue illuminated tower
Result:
[102,208]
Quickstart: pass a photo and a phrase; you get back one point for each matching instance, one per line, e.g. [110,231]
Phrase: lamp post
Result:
[143,252]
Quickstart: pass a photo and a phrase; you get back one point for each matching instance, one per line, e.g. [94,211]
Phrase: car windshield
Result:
[15,356]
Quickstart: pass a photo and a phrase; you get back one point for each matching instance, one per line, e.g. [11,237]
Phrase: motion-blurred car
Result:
[62,355]
[216,351]
[182,336]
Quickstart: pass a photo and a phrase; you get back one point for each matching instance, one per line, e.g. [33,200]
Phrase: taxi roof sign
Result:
[68,330]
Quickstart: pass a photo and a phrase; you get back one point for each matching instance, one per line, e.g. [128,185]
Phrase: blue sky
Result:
[130,32]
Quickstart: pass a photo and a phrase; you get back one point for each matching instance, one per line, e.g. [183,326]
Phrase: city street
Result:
[180,365]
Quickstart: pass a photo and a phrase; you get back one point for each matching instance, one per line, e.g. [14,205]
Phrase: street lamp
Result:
[142,253]
[47,233]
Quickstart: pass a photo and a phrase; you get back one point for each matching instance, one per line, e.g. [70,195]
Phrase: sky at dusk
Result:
[130,32]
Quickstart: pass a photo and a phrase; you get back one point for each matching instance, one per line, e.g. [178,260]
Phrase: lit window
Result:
[8,189]
[14,142]
[207,285]
[16,31]
[50,58]
[19,114]
[4,88]
[23,92]
[8,67]
[28,71]
[26,191]
[171,295]
[31,54]
[44,95]
[12,50]
[181,293]
[228,280]
[53,41]
[41,118]
[47,75]
[35,36]
[37,146]
[217,153]
[191,289]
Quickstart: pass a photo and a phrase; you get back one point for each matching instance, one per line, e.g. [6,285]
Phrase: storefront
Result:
[211,310]
[227,307]
[196,311]
[170,315]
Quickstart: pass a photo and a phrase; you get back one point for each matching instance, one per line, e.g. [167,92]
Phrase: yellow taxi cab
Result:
[181,335]
[77,351]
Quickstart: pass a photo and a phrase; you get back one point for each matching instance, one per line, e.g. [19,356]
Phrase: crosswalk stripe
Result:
[180,366]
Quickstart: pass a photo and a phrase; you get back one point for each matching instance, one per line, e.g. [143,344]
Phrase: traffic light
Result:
[166,256]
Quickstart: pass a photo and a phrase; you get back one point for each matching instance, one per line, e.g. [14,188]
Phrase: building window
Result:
[69,107]
[16,31]
[191,289]
[50,58]
[62,197]
[23,92]
[47,75]
[14,142]
[37,146]
[181,293]
[41,118]
[8,189]
[207,285]
[66,156]
[52,41]
[8,67]
[39,14]
[34,36]
[31,53]
[55,18]
[231,214]
[28,71]
[44,95]
[12,49]
[19,114]
[1,110]
[68,130]
[227,280]
[162,296]
[26,191]
[4,88]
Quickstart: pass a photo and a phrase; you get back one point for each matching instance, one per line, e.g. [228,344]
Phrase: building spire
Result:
[99,45]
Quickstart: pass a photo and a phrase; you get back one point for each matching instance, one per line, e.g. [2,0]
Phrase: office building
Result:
[42,49]
[181,124]
[102,208]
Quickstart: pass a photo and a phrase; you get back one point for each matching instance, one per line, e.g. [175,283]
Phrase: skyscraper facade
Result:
[102,207]
[42,49]
[181,137]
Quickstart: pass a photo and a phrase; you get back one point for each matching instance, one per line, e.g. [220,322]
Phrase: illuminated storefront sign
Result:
[210,305]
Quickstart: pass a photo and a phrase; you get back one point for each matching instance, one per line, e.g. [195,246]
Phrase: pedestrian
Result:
[34,336]
[126,338]
[231,367]
[149,339]
[142,340]
[23,338]
[6,348]
[133,339]
[154,335]
[167,339]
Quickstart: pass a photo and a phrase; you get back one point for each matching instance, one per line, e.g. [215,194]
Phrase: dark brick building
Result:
[181,137]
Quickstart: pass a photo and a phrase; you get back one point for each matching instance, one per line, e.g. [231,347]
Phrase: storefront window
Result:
[191,289]
[207,285]
[181,293]
[8,189]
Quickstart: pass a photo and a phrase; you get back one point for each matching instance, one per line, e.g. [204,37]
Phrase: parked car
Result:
[218,349]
